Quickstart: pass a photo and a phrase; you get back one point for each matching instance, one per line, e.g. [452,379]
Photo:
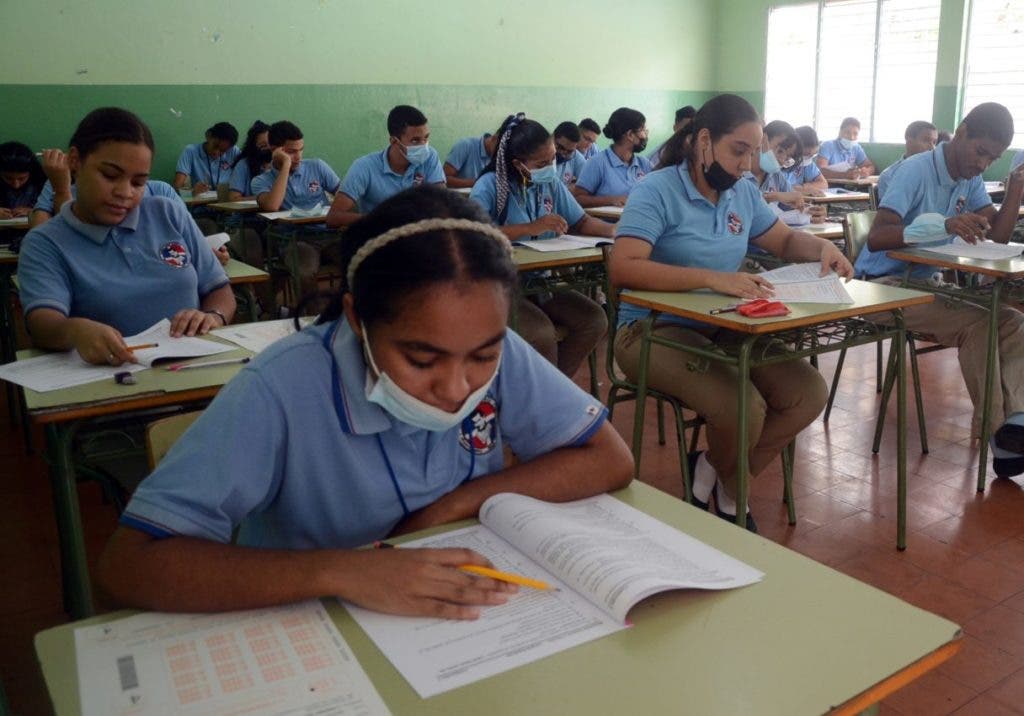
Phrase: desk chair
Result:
[162,434]
[620,384]
[856,227]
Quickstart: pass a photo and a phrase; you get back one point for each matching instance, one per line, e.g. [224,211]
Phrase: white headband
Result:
[421,227]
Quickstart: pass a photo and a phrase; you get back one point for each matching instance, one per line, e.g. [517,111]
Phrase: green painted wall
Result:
[337,66]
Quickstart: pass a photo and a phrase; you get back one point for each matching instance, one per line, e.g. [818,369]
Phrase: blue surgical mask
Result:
[417,153]
[845,143]
[769,163]
[545,175]
[411,410]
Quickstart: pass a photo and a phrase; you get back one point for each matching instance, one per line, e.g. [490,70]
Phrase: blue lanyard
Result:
[209,168]
[339,411]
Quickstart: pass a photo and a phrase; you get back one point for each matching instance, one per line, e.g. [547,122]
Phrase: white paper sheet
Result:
[286,660]
[840,166]
[617,210]
[203,195]
[790,273]
[990,250]
[295,213]
[565,242]
[828,290]
[54,371]
[461,189]
[16,221]
[215,241]
[257,336]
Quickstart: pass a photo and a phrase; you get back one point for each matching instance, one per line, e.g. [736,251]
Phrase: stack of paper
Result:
[565,242]
[990,250]
[316,211]
[803,283]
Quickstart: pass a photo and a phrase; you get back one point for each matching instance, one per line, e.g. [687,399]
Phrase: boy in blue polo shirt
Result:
[684,115]
[931,198]
[589,132]
[920,136]
[208,164]
[467,159]
[407,161]
[568,160]
[843,157]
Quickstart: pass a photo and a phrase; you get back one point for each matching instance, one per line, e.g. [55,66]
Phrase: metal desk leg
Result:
[990,369]
[74,565]
[742,418]
[641,393]
[899,344]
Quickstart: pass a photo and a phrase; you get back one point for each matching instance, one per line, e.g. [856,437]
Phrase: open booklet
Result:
[53,371]
[601,556]
[296,213]
[803,283]
[565,242]
[257,336]
[990,250]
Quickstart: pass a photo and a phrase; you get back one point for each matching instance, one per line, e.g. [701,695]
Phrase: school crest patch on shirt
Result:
[484,435]
[174,253]
[417,178]
[549,204]
[735,223]
[225,164]
[314,187]
[961,202]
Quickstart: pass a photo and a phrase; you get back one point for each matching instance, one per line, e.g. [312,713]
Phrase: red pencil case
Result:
[762,308]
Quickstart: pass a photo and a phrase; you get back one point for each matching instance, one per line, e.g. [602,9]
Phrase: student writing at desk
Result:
[843,157]
[589,132]
[568,160]
[688,226]
[608,177]
[919,136]
[932,197]
[467,159]
[523,194]
[407,161]
[21,180]
[208,163]
[386,417]
[114,261]
[804,175]
[778,143]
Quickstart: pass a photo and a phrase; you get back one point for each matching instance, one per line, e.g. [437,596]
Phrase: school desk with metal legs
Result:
[988,296]
[63,413]
[810,329]
[805,640]
[283,235]
[244,277]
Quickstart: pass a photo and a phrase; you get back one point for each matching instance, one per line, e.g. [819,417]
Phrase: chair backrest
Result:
[162,434]
[856,227]
[612,307]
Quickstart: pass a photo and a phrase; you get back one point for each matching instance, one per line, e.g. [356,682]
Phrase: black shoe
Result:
[1006,467]
[751,525]
[691,461]
[1010,437]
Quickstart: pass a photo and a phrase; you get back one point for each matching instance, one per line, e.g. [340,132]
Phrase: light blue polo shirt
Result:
[469,157]
[685,229]
[607,175]
[591,151]
[370,180]
[201,167]
[570,169]
[835,154]
[921,184]
[307,186]
[11,198]
[153,264]
[241,178]
[311,476]
[154,187]
[886,177]
[1018,159]
[802,175]
[775,182]
[529,203]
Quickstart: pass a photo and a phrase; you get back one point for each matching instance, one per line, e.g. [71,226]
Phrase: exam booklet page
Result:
[601,557]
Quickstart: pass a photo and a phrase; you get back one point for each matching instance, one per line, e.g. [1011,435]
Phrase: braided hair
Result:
[519,137]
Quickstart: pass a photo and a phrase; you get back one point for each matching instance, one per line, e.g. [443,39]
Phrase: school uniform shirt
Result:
[607,175]
[316,472]
[11,198]
[153,264]
[241,178]
[469,157]
[201,167]
[921,184]
[154,187]
[370,180]
[527,204]
[886,177]
[835,154]
[685,229]
[774,182]
[570,169]
[308,185]
[590,152]
[1018,159]
[802,175]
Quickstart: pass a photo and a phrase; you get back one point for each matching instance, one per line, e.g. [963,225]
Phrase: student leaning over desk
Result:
[568,160]
[467,158]
[21,180]
[114,262]
[523,194]
[804,175]
[919,136]
[589,132]
[688,226]
[608,177]
[932,197]
[384,418]
[843,157]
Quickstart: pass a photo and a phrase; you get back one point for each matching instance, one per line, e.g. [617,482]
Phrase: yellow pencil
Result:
[504,576]
[142,346]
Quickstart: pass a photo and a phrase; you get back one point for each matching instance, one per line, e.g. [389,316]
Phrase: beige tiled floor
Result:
[965,556]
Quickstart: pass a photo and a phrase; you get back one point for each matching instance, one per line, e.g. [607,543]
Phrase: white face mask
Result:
[411,410]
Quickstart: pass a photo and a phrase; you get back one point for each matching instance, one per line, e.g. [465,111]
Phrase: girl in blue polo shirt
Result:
[608,177]
[804,175]
[524,195]
[112,263]
[21,180]
[253,160]
[386,417]
[688,226]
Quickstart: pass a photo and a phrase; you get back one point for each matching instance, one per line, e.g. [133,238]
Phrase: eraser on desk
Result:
[124,378]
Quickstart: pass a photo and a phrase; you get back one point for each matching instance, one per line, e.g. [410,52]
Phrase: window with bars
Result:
[870,59]
[995,59]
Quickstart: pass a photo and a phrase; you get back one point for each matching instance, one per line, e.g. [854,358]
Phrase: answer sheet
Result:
[565,242]
[257,336]
[284,660]
[802,283]
[990,250]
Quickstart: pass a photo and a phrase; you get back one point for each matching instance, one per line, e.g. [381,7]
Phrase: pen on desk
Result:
[724,309]
[227,361]
[142,346]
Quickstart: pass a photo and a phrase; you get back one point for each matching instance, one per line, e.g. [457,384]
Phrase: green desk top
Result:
[8,257]
[868,297]
[241,272]
[532,260]
[1001,268]
[802,641]
[245,206]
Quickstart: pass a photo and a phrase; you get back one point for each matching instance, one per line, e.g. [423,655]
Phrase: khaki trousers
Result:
[784,398]
[581,322]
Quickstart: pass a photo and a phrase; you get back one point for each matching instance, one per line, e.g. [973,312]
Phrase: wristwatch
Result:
[223,320]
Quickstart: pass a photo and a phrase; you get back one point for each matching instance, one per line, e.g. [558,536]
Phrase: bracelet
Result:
[223,320]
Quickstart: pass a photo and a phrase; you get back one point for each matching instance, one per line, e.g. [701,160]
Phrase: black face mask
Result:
[717,177]
[640,146]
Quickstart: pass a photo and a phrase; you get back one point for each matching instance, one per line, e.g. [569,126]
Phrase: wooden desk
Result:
[245,206]
[244,278]
[64,412]
[611,213]
[799,329]
[988,296]
[805,640]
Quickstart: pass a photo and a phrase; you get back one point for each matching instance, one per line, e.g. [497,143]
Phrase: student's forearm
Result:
[869,165]
[38,217]
[454,181]
[831,174]
[643,274]
[60,198]
[592,226]
[514,232]
[337,218]
[801,246]
[272,200]
[179,180]
[588,200]
[53,330]
[221,300]
[886,238]
[602,464]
